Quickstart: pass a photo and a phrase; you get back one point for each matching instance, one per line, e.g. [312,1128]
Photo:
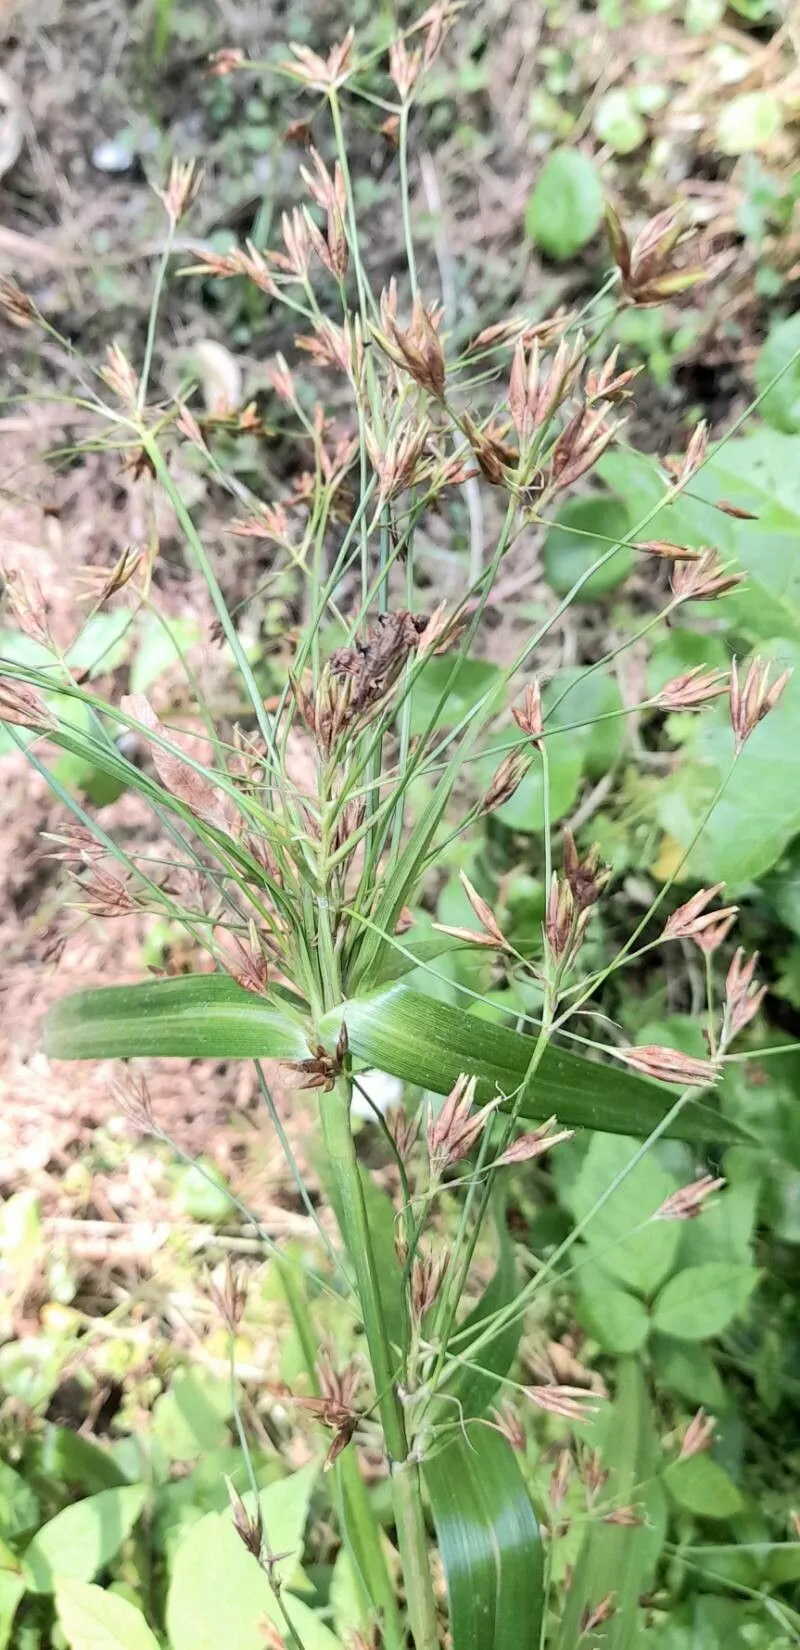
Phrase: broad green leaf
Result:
[219,1594]
[587,704]
[93,1619]
[617,1319]
[201,1192]
[83,1538]
[12,1589]
[525,810]
[758,472]
[618,122]
[725,1232]
[19,1505]
[472,679]
[620,1558]
[748,122]
[566,207]
[194,1015]
[637,1258]
[702,1300]
[759,811]
[700,1486]
[474,1389]
[780,405]
[67,1457]
[489,1543]
[159,646]
[687,1368]
[191,1417]
[103,644]
[584,530]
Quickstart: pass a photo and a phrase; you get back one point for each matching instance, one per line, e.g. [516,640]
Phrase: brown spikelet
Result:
[23,706]
[669,1065]
[528,715]
[689,1201]
[743,997]
[530,1146]
[508,778]
[703,578]
[15,305]
[454,1131]
[427,1275]
[699,1435]
[754,698]
[691,690]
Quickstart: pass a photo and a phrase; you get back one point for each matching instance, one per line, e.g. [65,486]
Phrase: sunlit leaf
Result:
[93,1619]
[82,1538]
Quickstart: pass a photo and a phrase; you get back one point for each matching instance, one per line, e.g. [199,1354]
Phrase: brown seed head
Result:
[404,1131]
[322,74]
[691,690]
[453,1132]
[493,456]
[648,268]
[693,920]
[104,895]
[695,455]
[594,1616]
[131,1093]
[226,60]
[120,376]
[183,185]
[560,919]
[230,1296]
[509,776]
[580,444]
[586,877]
[699,1435]
[689,1201]
[15,305]
[753,699]
[404,67]
[665,550]
[560,1479]
[427,1274]
[528,715]
[24,707]
[535,1144]
[703,579]
[743,996]
[571,1403]
[416,348]
[248,1526]
[669,1065]
[609,384]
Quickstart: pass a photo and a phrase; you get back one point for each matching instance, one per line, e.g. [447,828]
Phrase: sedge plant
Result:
[303,836]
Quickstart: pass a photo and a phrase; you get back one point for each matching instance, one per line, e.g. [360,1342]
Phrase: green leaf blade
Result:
[82,1538]
[93,1619]
[194,1015]
[489,1541]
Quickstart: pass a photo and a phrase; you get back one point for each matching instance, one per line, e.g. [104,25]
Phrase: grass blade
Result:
[489,1541]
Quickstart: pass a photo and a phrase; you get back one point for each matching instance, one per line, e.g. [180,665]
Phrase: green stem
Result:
[407,1493]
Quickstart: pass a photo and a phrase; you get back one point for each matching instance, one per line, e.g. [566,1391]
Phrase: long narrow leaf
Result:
[489,1542]
[396,1030]
[431,1043]
[195,1015]
[476,1388]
